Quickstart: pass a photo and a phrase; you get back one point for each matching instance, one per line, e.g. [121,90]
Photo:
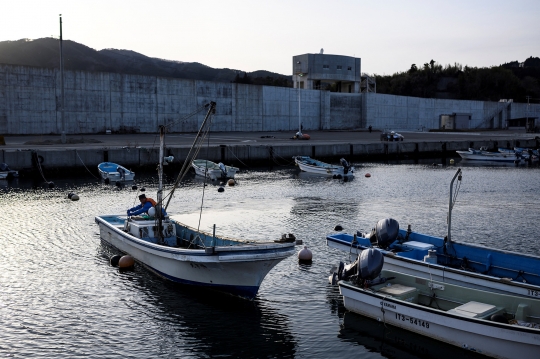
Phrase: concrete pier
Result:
[245,148]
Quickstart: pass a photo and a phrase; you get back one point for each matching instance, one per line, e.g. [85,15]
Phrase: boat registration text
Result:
[418,322]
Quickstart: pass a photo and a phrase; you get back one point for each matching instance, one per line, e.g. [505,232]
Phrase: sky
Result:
[388,35]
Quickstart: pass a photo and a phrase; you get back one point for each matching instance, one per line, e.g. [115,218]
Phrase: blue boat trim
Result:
[482,260]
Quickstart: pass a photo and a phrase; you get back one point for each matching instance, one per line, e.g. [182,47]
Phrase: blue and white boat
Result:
[110,171]
[444,260]
[186,255]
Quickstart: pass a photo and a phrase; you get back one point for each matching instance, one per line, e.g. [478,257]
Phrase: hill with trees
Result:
[512,80]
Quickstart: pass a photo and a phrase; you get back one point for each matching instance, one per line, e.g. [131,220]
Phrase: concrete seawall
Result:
[95,102]
[143,152]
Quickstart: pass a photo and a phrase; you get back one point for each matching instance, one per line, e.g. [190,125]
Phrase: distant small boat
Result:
[483,155]
[213,170]
[114,172]
[308,164]
[6,172]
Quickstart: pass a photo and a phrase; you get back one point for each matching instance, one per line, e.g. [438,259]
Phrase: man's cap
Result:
[142,196]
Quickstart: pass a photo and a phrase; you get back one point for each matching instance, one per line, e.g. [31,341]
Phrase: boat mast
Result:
[450,204]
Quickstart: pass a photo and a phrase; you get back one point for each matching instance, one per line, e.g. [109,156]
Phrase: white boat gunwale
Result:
[222,251]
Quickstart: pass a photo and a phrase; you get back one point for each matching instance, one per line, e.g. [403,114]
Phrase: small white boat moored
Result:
[483,155]
[213,170]
[308,164]
[114,172]
[492,324]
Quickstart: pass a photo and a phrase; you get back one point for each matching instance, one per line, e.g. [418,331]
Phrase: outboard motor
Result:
[385,233]
[346,165]
[122,173]
[223,169]
[366,267]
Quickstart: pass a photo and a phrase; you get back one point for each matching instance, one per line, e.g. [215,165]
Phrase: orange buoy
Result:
[305,136]
[368,175]
[231,182]
[126,262]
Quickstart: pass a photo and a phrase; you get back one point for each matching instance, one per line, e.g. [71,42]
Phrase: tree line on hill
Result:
[513,80]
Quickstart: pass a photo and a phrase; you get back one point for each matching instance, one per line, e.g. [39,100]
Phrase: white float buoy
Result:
[305,256]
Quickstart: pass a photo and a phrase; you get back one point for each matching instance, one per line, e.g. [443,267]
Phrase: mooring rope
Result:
[77,153]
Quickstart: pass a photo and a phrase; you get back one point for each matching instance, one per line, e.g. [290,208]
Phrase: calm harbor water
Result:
[60,298]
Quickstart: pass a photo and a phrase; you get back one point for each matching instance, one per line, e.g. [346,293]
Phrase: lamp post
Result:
[63,137]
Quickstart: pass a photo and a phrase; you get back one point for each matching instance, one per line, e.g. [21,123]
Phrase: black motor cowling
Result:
[385,232]
[367,266]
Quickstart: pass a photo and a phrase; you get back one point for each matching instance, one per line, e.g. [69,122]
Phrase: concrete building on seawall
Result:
[96,102]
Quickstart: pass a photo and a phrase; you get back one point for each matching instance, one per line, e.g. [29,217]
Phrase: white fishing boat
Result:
[493,324]
[308,164]
[444,259]
[6,172]
[483,155]
[110,171]
[187,255]
[213,170]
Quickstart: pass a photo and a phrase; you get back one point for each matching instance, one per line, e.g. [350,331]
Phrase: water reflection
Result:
[215,324]
[393,342]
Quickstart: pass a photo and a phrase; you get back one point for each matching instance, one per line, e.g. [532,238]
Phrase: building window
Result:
[339,67]
[349,68]
[325,66]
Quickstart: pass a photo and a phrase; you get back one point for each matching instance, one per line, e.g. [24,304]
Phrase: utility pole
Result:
[63,137]
[527,121]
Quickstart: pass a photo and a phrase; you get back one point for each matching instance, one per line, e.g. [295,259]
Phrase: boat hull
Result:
[483,336]
[238,271]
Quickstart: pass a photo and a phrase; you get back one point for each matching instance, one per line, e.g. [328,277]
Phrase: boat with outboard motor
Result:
[110,171]
[213,170]
[483,155]
[308,164]
[493,324]
[445,260]
[188,255]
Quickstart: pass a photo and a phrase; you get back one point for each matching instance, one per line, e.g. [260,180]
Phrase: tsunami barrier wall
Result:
[94,102]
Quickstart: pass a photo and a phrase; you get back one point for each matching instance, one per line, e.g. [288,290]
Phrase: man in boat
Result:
[144,207]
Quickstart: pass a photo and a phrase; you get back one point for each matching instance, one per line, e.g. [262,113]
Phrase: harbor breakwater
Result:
[82,158]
